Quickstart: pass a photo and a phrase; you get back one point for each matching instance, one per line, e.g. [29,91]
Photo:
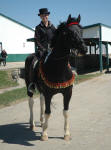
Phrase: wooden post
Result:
[90,49]
[107,57]
[95,49]
[35,48]
[100,49]
[100,56]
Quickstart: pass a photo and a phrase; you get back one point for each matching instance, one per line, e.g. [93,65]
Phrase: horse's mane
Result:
[61,28]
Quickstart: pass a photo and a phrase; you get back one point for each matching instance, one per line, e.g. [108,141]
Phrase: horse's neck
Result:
[59,59]
[60,52]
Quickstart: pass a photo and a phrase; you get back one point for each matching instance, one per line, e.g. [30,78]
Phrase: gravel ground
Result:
[90,121]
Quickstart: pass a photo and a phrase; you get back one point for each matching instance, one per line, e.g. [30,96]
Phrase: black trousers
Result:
[40,55]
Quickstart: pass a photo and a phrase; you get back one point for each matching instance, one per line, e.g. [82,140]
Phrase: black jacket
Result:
[4,54]
[43,36]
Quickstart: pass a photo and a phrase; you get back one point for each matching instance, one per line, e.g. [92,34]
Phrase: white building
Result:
[98,39]
[101,32]
[13,38]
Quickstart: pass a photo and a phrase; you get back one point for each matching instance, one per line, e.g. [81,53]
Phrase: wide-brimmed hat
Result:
[43,11]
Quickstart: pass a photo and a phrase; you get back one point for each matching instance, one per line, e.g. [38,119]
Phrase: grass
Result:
[81,78]
[6,79]
[10,96]
[18,95]
[13,96]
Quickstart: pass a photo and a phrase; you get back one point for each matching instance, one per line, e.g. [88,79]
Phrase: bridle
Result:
[72,23]
[60,58]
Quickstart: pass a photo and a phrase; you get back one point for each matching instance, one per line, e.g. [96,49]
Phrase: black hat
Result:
[43,11]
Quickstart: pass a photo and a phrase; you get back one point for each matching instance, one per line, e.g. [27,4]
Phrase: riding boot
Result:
[38,56]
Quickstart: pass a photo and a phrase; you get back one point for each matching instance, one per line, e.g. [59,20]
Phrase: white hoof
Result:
[32,126]
[67,137]
[44,138]
[42,124]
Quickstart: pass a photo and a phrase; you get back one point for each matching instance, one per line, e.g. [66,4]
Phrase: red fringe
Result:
[55,85]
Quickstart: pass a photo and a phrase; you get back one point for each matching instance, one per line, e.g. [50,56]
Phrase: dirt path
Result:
[90,120]
[12,65]
[21,83]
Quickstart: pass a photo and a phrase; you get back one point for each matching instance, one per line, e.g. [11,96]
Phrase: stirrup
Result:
[35,63]
[31,87]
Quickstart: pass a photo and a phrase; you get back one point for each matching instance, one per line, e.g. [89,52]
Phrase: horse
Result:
[54,75]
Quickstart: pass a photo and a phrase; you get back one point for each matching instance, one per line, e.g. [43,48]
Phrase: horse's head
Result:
[74,32]
[68,36]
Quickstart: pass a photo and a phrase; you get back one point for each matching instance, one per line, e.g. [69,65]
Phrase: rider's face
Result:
[44,17]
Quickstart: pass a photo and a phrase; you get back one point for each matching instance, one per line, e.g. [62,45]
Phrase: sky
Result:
[26,11]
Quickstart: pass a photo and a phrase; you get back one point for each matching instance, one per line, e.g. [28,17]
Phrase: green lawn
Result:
[81,78]
[13,96]
[18,95]
[6,79]
[10,96]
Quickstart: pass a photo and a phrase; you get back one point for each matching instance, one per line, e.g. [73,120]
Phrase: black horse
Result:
[54,75]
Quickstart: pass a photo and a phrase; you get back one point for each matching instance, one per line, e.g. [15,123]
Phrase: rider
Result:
[4,55]
[43,35]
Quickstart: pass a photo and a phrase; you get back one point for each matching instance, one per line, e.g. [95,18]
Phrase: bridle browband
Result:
[72,23]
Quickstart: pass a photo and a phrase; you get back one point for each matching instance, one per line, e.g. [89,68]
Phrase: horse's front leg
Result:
[31,103]
[67,97]
[42,108]
[44,136]
[67,135]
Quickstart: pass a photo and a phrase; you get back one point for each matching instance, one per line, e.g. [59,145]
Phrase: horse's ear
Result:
[79,18]
[69,17]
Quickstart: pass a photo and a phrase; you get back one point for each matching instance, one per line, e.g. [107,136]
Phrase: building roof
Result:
[16,21]
[95,25]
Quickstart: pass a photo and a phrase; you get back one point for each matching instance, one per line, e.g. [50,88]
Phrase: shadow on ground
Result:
[18,134]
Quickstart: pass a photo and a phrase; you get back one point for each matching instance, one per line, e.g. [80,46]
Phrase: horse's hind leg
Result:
[67,96]
[28,63]
[42,108]
[31,103]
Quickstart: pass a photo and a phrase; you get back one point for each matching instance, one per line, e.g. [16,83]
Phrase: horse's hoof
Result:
[44,138]
[32,127]
[41,124]
[67,137]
